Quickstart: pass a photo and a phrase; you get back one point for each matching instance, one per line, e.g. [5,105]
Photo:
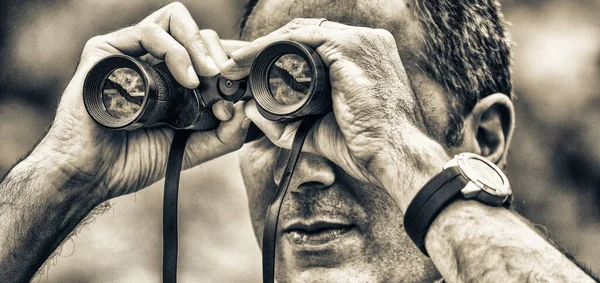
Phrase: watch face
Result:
[484,173]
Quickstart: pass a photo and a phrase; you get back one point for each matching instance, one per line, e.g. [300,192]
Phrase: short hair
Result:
[466,50]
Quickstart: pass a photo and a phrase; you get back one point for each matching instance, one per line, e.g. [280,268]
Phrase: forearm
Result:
[472,242]
[40,204]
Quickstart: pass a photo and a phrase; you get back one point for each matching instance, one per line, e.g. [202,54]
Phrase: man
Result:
[404,102]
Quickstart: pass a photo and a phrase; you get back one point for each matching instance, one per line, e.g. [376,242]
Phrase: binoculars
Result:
[288,81]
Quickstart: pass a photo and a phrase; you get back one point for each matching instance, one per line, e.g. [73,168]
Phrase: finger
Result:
[334,25]
[152,39]
[307,31]
[151,60]
[176,19]
[229,136]
[223,110]
[281,134]
[213,46]
[316,22]
[239,65]
[233,132]
[234,71]
[231,45]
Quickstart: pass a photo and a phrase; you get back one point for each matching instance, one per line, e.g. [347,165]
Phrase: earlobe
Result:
[489,128]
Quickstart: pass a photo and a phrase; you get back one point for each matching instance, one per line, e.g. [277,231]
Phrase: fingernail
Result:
[211,64]
[192,75]
[227,111]
[246,123]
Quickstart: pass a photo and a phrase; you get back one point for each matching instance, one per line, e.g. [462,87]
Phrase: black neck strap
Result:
[170,205]
[272,217]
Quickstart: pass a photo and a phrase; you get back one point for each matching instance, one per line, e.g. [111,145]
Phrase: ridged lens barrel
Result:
[289,81]
[123,93]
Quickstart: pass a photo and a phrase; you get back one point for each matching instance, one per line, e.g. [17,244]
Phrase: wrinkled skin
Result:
[333,182]
[122,162]
[361,166]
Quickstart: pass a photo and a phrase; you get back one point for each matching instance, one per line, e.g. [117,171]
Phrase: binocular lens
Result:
[123,93]
[289,79]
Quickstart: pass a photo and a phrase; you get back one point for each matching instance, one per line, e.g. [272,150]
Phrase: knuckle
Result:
[297,21]
[359,37]
[384,33]
[180,51]
[194,42]
[177,6]
[385,36]
[293,25]
[209,33]
[371,37]
[94,41]
[196,36]
[145,28]
[237,143]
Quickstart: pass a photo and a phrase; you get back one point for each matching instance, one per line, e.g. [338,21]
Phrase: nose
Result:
[312,172]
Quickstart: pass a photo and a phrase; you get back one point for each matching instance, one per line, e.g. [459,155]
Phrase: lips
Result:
[316,233]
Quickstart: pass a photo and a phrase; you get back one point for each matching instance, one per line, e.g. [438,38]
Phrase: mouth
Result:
[316,233]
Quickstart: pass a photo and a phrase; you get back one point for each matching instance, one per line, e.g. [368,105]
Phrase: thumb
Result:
[227,137]
[281,134]
[324,139]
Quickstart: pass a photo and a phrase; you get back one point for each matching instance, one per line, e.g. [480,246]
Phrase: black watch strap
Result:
[430,201]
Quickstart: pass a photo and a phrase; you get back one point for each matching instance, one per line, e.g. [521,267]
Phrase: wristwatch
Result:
[466,176]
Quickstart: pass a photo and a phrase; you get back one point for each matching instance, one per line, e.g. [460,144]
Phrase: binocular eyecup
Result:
[288,81]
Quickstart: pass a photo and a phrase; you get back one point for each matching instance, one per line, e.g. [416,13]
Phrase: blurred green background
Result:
[554,164]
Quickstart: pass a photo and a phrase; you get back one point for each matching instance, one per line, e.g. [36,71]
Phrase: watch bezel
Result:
[461,161]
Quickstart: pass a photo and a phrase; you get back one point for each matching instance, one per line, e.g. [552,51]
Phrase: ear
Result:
[489,128]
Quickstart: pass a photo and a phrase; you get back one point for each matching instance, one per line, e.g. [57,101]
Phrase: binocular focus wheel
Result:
[303,82]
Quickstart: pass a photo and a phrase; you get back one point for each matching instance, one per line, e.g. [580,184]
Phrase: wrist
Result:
[408,165]
[58,174]
[42,204]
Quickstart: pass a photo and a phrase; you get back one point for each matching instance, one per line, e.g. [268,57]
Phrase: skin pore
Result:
[334,227]
[320,190]
[363,240]
[398,17]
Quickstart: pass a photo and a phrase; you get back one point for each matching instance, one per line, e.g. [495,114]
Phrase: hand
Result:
[375,131]
[121,162]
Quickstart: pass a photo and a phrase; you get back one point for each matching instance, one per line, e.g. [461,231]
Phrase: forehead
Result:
[396,16]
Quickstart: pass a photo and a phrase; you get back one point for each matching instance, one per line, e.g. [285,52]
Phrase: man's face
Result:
[333,227]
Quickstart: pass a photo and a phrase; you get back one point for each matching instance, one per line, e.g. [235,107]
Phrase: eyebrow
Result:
[248,11]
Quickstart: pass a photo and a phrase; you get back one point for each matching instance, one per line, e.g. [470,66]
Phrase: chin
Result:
[348,260]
